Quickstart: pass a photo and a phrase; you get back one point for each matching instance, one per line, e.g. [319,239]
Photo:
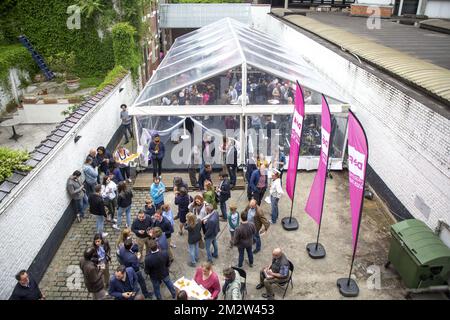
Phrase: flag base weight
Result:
[315,253]
[348,289]
[289,224]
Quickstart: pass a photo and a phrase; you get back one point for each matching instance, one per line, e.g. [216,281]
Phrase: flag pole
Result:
[348,286]
[317,251]
[290,223]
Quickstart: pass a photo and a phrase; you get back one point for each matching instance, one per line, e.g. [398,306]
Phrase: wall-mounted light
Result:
[121,89]
[77,137]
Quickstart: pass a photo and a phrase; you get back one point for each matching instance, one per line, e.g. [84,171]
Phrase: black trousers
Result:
[157,167]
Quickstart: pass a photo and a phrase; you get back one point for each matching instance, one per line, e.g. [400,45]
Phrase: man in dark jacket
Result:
[97,208]
[124,285]
[251,166]
[77,193]
[224,192]
[157,267]
[139,228]
[104,159]
[258,183]
[160,221]
[243,239]
[256,216]
[26,288]
[93,275]
[157,152]
[211,223]
[205,174]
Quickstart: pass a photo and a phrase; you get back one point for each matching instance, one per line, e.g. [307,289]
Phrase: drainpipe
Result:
[286,3]
[441,224]
[400,8]
[421,7]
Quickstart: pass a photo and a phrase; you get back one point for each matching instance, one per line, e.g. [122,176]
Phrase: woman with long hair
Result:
[124,202]
[198,207]
[210,194]
[206,277]
[119,156]
[182,200]
[193,226]
[109,189]
[104,255]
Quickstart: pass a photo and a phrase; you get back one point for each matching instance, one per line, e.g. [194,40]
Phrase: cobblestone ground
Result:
[313,279]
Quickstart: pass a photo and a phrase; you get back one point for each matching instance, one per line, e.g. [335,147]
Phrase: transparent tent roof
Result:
[221,46]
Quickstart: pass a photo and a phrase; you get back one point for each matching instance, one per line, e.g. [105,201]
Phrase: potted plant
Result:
[63,63]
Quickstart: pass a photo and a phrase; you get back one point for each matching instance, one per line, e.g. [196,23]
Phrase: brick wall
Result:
[409,143]
[367,10]
[26,224]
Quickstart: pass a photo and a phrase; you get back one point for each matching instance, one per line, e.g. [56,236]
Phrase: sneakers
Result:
[173,245]
[78,218]
[251,265]
[104,234]
[129,180]
[114,220]
[114,226]
[256,251]
[191,264]
[259,286]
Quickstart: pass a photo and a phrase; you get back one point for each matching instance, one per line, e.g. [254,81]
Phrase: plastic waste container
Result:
[418,254]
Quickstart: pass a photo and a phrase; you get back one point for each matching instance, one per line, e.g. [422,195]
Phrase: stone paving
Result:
[313,279]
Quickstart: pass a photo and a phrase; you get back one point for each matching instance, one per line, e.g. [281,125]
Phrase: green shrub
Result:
[11,160]
[125,48]
[111,77]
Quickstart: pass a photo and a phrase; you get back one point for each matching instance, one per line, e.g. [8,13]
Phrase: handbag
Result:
[201,244]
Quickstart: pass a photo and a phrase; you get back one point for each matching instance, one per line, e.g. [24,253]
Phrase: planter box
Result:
[50,100]
[30,100]
[365,10]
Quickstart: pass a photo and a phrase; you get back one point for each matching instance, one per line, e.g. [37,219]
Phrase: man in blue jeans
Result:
[256,216]
[211,223]
[78,194]
[157,267]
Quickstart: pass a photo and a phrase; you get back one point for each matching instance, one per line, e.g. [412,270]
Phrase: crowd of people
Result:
[261,89]
[145,243]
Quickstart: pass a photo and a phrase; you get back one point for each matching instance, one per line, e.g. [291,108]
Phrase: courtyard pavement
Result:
[313,279]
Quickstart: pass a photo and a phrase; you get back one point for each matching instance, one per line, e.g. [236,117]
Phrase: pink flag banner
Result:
[314,205]
[358,153]
[296,134]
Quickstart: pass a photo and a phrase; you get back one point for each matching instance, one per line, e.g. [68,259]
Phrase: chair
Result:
[285,284]
[243,276]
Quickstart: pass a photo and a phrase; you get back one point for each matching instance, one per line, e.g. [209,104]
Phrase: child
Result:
[233,222]
[149,207]
[167,213]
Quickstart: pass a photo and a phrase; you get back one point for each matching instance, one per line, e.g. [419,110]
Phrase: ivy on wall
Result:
[45,24]
[124,46]
[207,1]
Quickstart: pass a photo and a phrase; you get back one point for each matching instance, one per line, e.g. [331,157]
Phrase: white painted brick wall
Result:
[29,220]
[409,144]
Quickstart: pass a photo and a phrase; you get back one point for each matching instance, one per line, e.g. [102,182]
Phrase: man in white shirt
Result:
[276,191]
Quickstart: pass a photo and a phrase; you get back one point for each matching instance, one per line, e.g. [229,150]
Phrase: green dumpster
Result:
[419,255]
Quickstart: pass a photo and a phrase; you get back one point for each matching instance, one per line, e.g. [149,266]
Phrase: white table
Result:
[11,123]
